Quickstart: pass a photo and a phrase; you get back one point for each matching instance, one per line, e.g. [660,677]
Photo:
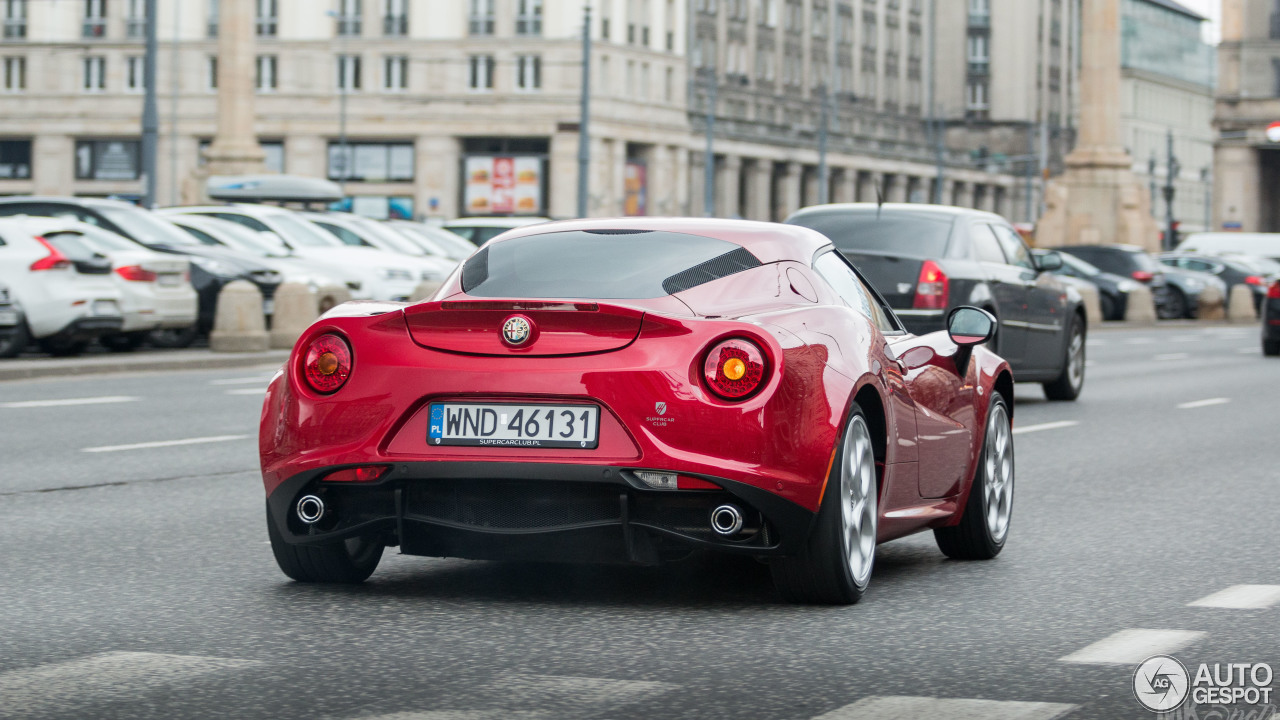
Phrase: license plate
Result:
[169,280]
[8,317]
[511,425]
[105,307]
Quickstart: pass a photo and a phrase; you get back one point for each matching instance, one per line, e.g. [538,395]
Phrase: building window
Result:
[15,19]
[976,101]
[980,13]
[979,54]
[265,75]
[481,72]
[95,74]
[395,73]
[481,17]
[267,18]
[15,74]
[395,18]
[211,73]
[15,159]
[212,23]
[107,159]
[528,72]
[529,17]
[95,19]
[135,74]
[371,162]
[349,15]
[135,20]
[348,76]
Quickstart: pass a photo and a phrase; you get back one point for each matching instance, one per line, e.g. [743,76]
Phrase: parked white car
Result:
[13,325]
[357,231]
[430,236]
[480,230]
[382,276]
[1265,245]
[155,288]
[68,301]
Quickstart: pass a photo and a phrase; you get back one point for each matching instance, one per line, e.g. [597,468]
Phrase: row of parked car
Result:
[75,270]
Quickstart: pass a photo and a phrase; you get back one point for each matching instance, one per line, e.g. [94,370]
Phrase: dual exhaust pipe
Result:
[310,509]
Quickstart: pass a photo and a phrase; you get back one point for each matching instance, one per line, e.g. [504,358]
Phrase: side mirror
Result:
[970,326]
[1049,261]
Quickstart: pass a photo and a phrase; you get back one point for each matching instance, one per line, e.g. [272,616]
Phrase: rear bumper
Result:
[536,512]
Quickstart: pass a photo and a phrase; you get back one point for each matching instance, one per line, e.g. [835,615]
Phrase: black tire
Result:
[173,338]
[124,342]
[1271,348]
[1175,305]
[821,572]
[16,342]
[59,346]
[974,538]
[1108,307]
[350,562]
[1070,382]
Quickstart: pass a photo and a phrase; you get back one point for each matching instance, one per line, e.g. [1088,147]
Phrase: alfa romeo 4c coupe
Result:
[634,391]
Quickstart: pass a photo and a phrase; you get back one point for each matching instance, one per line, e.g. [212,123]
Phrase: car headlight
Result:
[397,274]
[1126,286]
[214,267]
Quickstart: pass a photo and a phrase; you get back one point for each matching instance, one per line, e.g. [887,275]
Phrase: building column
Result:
[439,174]
[845,186]
[1237,188]
[680,182]
[789,197]
[562,176]
[947,196]
[697,179]
[730,172]
[963,194]
[617,203]
[809,189]
[235,149]
[759,190]
[53,164]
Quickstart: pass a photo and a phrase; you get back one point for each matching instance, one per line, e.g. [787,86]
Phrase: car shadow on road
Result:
[701,581]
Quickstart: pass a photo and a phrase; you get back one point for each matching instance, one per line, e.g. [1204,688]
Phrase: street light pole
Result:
[824,172]
[1174,168]
[584,120]
[709,180]
[935,123]
[150,113]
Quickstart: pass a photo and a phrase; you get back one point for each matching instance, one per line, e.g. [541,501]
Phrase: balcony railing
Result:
[395,25]
[349,25]
[135,27]
[979,20]
[265,26]
[481,25]
[15,29]
[94,28]
[980,67]
[529,25]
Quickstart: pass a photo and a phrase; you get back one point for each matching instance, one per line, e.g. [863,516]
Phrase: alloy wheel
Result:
[998,487]
[859,518]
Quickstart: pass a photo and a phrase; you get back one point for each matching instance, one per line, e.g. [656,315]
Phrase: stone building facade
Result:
[438,92]
[1246,160]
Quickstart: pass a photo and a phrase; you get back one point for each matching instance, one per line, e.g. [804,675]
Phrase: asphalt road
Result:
[136,581]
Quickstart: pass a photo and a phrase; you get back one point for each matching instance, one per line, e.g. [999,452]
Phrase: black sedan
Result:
[1133,262]
[1113,290]
[211,268]
[1231,269]
[927,260]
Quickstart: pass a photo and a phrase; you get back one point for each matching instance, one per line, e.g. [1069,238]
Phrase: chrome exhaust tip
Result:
[726,520]
[310,509]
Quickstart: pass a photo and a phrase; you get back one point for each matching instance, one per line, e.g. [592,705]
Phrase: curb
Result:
[53,368]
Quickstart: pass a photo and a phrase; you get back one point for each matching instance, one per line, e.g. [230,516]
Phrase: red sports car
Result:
[631,391]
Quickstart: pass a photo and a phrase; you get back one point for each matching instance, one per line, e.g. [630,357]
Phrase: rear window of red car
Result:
[603,264]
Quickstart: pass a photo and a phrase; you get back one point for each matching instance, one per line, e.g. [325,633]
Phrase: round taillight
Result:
[734,369]
[328,364]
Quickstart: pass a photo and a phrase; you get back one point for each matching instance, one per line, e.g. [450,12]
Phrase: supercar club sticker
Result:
[1161,684]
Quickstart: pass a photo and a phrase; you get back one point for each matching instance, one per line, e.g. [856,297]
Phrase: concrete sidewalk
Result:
[145,361]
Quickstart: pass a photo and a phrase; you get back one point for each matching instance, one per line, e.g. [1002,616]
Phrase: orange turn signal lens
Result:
[734,369]
[327,364]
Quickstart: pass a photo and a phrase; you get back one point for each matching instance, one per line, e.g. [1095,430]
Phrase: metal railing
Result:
[979,20]
[15,29]
[349,25]
[94,28]
[395,25]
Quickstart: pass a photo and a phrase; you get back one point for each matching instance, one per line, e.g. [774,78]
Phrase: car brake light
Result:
[55,260]
[1143,276]
[1273,292]
[1254,280]
[734,369]
[932,288]
[327,364]
[135,273]
[366,473]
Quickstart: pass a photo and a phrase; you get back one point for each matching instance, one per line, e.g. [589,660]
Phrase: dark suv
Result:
[211,268]
[927,259]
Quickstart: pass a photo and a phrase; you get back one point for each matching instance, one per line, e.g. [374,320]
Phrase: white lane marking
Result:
[105,400]
[242,381]
[1241,597]
[540,688]
[247,391]
[1173,356]
[1140,341]
[167,443]
[1130,647]
[901,707]
[96,679]
[462,715]
[1045,426]
[1203,403]
[1187,338]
